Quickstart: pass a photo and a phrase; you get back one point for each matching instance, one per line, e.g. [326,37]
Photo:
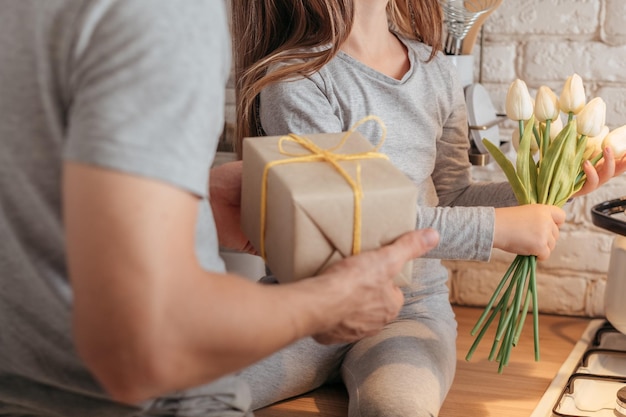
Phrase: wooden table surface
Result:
[478,390]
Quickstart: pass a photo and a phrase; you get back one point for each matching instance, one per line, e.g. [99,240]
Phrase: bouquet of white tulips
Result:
[547,170]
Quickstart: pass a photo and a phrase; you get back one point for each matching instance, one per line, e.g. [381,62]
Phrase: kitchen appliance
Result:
[610,215]
[483,123]
[592,380]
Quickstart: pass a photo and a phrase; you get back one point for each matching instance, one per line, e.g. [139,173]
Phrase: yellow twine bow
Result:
[326,155]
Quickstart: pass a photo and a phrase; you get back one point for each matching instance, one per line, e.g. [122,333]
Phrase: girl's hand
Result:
[607,168]
[531,229]
[225,198]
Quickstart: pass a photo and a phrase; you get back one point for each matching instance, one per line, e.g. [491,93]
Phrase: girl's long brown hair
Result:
[266,32]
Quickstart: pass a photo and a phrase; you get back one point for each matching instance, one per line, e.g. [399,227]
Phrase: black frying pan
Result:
[602,215]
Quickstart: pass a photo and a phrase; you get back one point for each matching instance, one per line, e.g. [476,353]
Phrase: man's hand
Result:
[225,198]
[372,298]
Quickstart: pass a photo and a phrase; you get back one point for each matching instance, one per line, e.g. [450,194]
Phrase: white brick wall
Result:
[543,42]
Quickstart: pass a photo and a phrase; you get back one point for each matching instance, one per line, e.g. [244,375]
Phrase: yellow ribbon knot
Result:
[317,154]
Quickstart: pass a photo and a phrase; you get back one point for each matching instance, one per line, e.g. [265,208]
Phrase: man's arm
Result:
[148,320]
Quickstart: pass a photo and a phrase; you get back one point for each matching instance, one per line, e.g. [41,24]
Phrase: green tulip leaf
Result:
[508,169]
[526,169]
[548,165]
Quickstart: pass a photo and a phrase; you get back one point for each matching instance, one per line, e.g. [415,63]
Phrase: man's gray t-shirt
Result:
[135,86]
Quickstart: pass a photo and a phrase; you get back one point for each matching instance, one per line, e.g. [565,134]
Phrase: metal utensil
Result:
[459,17]
[472,34]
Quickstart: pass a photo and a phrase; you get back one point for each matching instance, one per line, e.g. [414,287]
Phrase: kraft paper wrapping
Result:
[309,211]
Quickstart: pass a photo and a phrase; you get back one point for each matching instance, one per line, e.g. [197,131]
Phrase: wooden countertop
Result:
[478,390]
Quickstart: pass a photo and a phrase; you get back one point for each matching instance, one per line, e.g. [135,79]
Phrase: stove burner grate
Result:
[584,362]
[602,330]
[592,350]
[569,388]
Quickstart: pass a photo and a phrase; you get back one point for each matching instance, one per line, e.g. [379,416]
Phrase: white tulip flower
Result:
[616,140]
[519,103]
[546,104]
[590,120]
[594,147]
[572,99]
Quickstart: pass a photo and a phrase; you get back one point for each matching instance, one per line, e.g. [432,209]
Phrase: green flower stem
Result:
[537,136]
[519,295]
[494,296]
[511,309]
[504,347]
[533,289]
[546,138]
[507,349]
[518,276]
[494,313]
[596,158]
[504,318]
[521,286]
[511,324]
[581,175]
[472,349]
[496,344]
[522,318]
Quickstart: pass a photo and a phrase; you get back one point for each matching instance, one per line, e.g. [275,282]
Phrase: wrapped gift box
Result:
[309,208]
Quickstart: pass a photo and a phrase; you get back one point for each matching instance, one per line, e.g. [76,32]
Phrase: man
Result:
[113,298]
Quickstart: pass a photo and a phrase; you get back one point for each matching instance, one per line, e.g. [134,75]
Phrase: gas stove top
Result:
[590,380]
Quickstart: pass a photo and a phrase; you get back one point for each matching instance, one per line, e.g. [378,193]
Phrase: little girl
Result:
[315,66]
